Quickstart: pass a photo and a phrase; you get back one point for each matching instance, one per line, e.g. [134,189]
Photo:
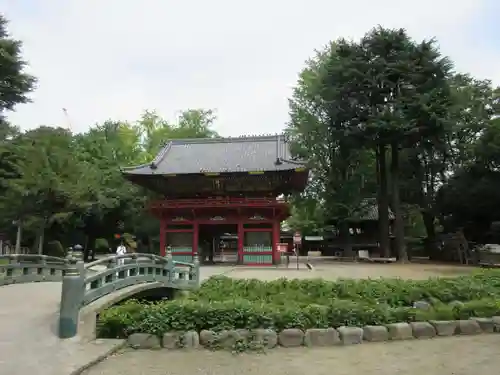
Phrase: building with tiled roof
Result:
[228,181]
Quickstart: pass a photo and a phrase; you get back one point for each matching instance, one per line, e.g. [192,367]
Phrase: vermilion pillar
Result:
[241,235]
[276,240]
[163,236]
[196,232]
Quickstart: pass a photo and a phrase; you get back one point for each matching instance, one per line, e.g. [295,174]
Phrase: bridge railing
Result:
[27,268]
[85,283]
[129,269]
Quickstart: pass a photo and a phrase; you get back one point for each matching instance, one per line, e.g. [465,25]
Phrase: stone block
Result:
[227,339]
[291,337]
[496,323]
[143,341]
[177,340]
[486,324]
[423,330]
[265,337]
[321,337]
[171,340]
[244,334]
[208,338]
[444,327]
[375,333]
[399,331]
[191,340]
[467,327]
[351,335]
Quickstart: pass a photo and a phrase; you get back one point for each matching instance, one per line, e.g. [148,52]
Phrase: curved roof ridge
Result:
[242,138]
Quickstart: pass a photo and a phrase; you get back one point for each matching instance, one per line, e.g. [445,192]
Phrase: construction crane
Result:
[66,116]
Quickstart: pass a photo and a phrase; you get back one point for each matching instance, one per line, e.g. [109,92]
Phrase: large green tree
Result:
[432,161]
[15,83]
[405,99]
[322,109]
[46,185]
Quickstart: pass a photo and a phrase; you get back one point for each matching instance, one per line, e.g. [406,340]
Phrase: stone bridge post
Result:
[196,262]
[72,293]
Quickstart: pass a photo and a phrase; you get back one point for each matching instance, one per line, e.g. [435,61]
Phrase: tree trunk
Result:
[383,202]
[399,232]
[18,237]
[345,236]
[431,247]
[41,239]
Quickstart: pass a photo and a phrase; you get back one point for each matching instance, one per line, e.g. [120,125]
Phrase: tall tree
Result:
[322,109]
[15,83]
[46,186]
[407,98]
[430,163]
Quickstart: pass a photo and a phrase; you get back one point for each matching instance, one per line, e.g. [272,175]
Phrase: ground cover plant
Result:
[223,303]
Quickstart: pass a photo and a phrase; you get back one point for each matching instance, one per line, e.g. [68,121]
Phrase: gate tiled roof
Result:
[219,155]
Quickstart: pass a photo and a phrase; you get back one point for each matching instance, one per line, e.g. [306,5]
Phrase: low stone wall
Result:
[314,337]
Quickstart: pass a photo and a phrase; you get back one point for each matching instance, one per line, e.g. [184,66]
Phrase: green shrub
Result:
[101,246]
[394,292]
[55,249]
[184,315]
[120,320]
[224,303]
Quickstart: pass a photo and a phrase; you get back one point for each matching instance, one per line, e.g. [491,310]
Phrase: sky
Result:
[113,59]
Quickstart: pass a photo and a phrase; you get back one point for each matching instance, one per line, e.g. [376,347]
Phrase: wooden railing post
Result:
[72,293]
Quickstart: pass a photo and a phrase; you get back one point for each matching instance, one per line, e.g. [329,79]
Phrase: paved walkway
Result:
[28,331]
[449,356]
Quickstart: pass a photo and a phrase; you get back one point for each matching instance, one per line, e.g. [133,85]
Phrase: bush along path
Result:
[251,314]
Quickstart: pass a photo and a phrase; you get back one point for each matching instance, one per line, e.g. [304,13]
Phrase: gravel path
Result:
[28,326]
[454,356]
[335,270]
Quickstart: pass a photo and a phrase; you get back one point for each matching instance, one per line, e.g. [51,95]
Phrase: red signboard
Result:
[297,238]
[282,247]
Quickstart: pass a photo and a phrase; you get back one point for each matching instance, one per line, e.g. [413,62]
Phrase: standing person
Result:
[121,250]
[222,247]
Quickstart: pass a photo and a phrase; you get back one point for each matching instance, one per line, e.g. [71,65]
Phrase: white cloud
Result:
[105,59]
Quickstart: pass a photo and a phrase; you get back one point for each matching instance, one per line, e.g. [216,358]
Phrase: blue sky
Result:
[112,59]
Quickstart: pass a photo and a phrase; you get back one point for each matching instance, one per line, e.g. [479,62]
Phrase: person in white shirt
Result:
[121,250]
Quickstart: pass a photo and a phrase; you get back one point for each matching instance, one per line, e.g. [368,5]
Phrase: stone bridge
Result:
[44,299]
[86,289]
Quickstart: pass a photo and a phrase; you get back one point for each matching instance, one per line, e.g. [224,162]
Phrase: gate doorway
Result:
[218,243]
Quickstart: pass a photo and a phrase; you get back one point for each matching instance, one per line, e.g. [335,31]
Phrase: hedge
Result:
[393,292]
[224,303]
[165,316]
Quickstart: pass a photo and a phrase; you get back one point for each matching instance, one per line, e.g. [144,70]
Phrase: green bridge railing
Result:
[84,283]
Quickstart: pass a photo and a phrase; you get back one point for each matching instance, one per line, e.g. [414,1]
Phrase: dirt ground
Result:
[335,270]
[453,355]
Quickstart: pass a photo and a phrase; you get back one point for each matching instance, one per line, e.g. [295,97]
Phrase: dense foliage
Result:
[224,303]
[386,117]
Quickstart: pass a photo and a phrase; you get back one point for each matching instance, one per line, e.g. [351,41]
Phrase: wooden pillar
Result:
[196,231]
[241,236]
[163,236]
[276,240]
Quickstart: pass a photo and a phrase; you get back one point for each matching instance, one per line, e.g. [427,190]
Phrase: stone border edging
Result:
[315,337]
[80,370]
